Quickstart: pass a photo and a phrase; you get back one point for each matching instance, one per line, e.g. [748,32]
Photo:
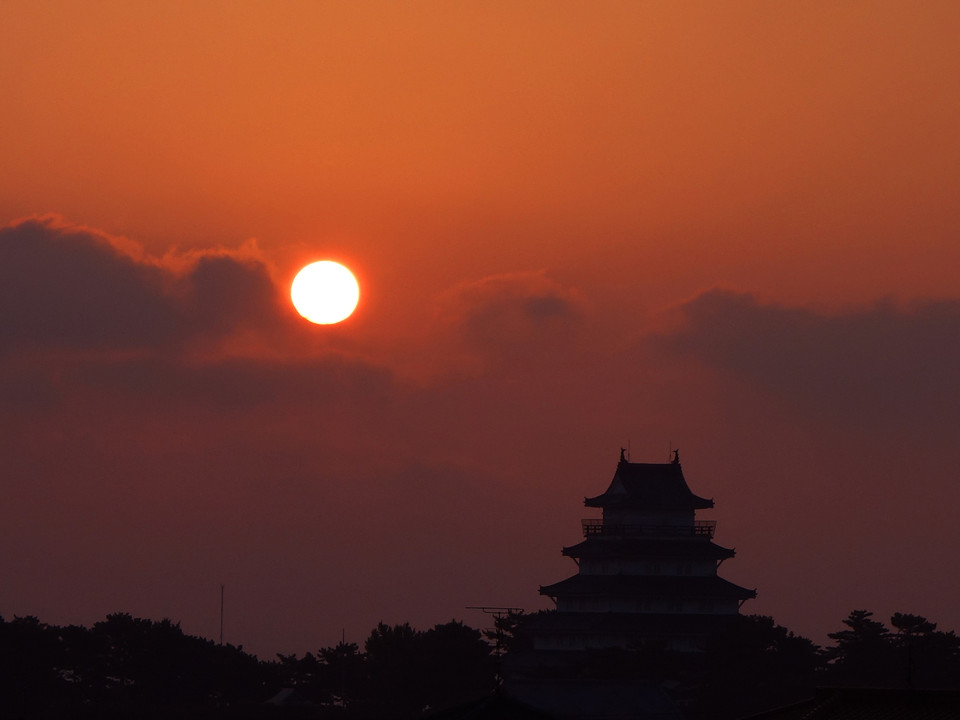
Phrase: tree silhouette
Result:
[30,658]
[410,671]
[930,658]
[912,625]
[753,664]
[917,655]
[457,663]
[393,666]
[342,674]
[863,654]
[510,633]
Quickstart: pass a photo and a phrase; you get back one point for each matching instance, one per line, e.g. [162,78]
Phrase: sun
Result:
[325,292]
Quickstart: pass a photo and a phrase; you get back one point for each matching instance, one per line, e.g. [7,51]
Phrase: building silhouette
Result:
[647,569]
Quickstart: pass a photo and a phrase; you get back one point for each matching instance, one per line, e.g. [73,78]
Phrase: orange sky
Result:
[538,199]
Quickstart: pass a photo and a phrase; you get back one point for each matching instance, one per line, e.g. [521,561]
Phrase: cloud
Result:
[223,292]
[94,333]
[512,319]
[68,286]
[881,363]
[239,383]
[71,286]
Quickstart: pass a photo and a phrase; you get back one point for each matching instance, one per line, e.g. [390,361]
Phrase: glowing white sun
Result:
[325,292]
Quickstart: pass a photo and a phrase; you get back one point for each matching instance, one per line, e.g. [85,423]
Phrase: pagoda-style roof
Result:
[649,486]
[625,547]
[670,586]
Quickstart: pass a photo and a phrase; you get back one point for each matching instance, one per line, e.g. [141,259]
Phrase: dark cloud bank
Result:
[82,311]
[72,287]
[880,363]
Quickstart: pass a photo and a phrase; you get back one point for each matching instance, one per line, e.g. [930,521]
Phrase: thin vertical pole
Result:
[221,614]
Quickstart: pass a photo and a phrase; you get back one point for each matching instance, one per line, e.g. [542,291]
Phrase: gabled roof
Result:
[649,486]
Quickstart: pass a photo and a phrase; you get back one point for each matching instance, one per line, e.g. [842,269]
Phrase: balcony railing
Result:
[704,528]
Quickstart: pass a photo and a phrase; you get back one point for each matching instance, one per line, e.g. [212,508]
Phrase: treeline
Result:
[401,672]
[131,667]
[759,665]
[121,667]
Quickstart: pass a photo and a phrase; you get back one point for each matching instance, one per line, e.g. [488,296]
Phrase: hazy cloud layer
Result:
[513,320]
[882,363]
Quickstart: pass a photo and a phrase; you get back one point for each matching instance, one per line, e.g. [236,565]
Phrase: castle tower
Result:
[647,570]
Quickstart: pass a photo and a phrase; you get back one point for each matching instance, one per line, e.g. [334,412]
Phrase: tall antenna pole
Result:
[221,614]
[497,613]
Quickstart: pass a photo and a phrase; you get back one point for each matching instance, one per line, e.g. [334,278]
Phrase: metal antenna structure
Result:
[497,612]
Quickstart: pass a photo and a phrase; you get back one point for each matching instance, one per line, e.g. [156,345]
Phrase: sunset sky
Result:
[728,227]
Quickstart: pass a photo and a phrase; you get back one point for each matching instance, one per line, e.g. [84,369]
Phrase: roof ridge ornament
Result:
[676,456]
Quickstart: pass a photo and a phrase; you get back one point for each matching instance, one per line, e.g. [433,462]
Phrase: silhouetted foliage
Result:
[343,675]
[457,662]
[510,631]
[917,655]
[751,665]
[411,671]
[121,664]
[393,660]
[155,663]
[933,660]
[863,654]
[29,664]
[503,635]
[912,625]
[131,667]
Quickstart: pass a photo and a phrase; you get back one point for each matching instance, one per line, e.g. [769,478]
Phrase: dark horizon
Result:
[124,665]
